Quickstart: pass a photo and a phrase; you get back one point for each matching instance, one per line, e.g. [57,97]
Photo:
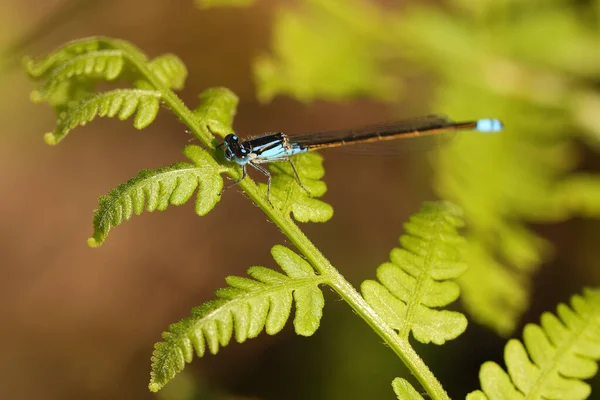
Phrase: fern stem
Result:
[331,275]
[399,345]
[174,103]
[346,291]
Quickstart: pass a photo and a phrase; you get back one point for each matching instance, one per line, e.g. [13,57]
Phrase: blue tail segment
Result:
[489,125]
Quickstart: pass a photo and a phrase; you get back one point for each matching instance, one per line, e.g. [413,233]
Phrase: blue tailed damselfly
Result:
[273,147]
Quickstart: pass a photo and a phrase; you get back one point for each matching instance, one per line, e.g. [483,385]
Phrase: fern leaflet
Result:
[170,70]
[43,67]
[121,102]
[554,359]
[105,64]
[287,194]
[416,279]
[217,107]
[404,390]
[247,307]
[157,189]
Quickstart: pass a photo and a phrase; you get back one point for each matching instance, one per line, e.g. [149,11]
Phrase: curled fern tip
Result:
[92,242]
[154,387]
[50,139]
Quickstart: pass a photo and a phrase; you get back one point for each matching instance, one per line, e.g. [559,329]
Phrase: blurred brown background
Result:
[80,322]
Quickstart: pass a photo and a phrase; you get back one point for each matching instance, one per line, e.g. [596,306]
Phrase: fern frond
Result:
[157,189]
[288,196]
[245,308]
[41,68]
[121,102]
[217,107]
[103,64]
[416,279]
[37,69]
[405,391]
[554,358]
[170,70]
[70,73]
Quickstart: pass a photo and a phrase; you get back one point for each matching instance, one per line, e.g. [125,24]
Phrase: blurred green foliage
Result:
[531,64]
[327,49]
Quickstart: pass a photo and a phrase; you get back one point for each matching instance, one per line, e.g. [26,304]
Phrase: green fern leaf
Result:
[170,70]
[40,68]
[404,390]
[416,279]
[43,67]
[104,64]
[554,358]
[71,72]
[288,196]
[217,107]
[245,308]
[157,189]
[121,102]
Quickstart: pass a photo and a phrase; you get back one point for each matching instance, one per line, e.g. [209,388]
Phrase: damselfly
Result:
[275,147]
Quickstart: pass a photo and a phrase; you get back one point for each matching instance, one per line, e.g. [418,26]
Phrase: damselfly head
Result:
[236,151]
[229,141]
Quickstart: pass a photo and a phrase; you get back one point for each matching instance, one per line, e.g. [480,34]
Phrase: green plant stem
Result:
[333,277]
[175,104]
[346,291]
